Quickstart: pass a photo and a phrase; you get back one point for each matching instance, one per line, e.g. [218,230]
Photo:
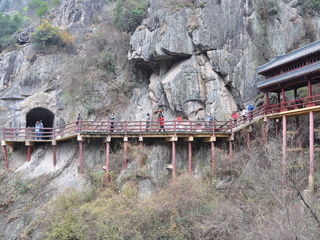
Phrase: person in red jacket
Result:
[235,117]
[179,120]
[161,122]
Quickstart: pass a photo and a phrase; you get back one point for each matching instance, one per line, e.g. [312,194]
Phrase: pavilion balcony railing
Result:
[293,104]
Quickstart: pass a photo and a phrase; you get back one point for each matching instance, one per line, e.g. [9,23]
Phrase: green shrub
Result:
[49,35]
[41,7]
[8,26]
[128,14]
[106,61]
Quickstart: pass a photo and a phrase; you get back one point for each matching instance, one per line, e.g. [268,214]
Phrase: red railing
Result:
[29,133]
[152,127]
[116,127]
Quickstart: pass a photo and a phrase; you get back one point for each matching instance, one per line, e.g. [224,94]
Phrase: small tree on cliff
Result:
[128,14]
[48,35]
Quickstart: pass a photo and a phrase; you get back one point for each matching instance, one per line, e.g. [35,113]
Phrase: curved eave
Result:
[310,69]
[290,57]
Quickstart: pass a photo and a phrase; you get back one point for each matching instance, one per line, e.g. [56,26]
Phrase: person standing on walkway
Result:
[250,110]
[41,129]
[112,122]
[234,117]
[78,121]
[148,120]
[161,122]
[37,130]
[179,120]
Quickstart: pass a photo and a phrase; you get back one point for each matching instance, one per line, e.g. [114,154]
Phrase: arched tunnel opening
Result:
[37,114]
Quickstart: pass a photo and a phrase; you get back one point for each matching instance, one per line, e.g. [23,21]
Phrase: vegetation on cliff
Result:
[8,26]
[48,35]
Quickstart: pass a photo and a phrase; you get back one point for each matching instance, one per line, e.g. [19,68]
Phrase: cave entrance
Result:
[37,114]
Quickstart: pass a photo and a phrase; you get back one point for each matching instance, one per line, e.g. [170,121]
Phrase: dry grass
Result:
[245,200]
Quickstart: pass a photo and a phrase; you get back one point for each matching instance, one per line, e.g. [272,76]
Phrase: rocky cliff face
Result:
[214,47]
[189,57]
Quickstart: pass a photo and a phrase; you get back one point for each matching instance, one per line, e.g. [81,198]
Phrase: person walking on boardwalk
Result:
[111,122]
[179,120]
[234,117]
[148,120]
[78,125]
[250,111]
[161,122]
[78,119]
[41,129]
[210,121]
[37,130]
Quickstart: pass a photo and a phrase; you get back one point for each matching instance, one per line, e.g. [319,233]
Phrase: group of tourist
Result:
[246,113]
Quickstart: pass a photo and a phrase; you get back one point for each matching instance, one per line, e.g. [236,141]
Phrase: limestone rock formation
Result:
[194,57]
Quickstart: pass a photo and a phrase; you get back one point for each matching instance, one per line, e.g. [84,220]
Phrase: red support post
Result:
[125,153]
[5,152]
[295,93]
[81,156]
[309,89]
[190,157]
[283,99]
[311,140]
[213,157]
[54,154]
[28,153]
[107,177]
[174,163]
[284,143]
[310,94]
[279,98]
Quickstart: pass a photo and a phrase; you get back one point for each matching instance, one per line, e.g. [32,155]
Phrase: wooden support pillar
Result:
[311,140]
[141,151]
[29,149]
[267,103]
[107,160]
[5,152]
[309,89]
[54,154]
[173,161]
[213,157]
[295,91]
[283,99]
[125,152]
[279,98]
[310,94]
[81,156]
[190,158]
[284,143]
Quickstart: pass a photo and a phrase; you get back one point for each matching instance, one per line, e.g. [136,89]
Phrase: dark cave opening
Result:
[37,114]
